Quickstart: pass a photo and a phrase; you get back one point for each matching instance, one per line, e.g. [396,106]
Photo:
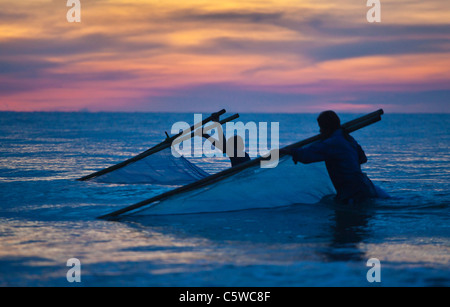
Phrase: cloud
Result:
[225,17]
[318,51]
[11,16]
[363,48]
[407,102]
[209,98]
[87,44]
[24,68]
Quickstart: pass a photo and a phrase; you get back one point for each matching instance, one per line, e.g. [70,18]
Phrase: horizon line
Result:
[207,112]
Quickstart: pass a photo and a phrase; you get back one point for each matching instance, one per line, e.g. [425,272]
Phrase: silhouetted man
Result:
[343,157]
[234,148]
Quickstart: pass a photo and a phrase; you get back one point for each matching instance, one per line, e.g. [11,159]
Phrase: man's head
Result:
[329,122]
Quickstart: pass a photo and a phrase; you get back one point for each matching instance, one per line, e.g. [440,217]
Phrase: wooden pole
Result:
[349,127]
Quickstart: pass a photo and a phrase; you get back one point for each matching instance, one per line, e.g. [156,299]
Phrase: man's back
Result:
[343,157]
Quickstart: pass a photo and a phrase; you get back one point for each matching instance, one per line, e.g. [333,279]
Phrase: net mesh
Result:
[160,168]
[254,187]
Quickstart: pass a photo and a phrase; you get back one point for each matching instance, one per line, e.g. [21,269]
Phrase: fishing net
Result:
[159,168]
[254,187]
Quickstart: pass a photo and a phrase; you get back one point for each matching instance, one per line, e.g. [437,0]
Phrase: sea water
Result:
[47,217]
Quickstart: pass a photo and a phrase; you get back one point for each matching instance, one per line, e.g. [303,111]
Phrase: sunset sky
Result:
[245,56]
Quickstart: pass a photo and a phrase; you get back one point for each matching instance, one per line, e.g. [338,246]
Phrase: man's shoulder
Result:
[339,138]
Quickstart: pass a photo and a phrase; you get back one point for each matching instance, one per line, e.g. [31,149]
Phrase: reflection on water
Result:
[350,228]
[274,246]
